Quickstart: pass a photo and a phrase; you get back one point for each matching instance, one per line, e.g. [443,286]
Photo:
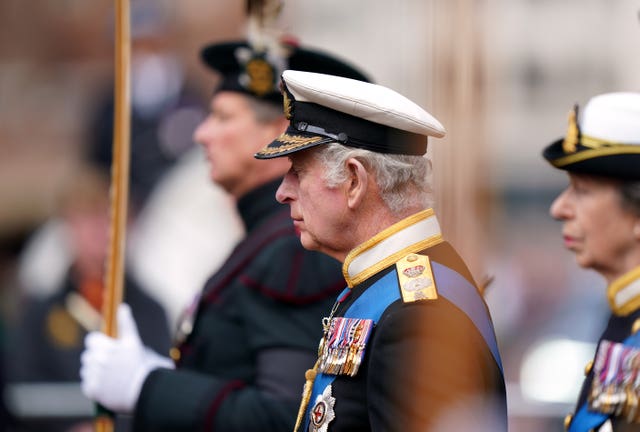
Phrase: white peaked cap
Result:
[326,108]
[613,117]
[603,140]
[369,101]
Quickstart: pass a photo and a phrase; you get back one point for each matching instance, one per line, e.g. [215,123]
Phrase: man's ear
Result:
[357,184]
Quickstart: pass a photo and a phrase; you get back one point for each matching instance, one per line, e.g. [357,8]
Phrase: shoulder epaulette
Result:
[415,278]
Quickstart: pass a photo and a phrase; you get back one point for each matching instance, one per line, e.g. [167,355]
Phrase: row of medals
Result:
[342,346]
[615,389]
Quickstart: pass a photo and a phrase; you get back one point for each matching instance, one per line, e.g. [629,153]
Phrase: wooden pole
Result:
[114,277]
[461,172]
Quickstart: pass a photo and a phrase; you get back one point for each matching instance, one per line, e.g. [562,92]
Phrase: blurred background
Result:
[501,75]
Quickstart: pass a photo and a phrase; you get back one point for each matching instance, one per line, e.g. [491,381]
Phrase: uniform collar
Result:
[413,234]
[624,293]
[258,204]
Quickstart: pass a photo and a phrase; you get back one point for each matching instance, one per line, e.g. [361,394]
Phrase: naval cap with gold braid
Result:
[324,108]
[604,140]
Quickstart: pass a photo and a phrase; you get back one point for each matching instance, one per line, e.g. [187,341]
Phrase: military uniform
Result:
[254,333]
[606,405]
[604,142]
[409,345]
[425,361]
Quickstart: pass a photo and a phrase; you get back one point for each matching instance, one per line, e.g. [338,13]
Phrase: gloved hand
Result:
[113,370]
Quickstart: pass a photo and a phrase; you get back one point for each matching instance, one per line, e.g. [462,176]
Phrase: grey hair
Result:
[630,193]
[404,181]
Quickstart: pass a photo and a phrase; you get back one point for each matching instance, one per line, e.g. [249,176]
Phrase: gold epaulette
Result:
[415,277]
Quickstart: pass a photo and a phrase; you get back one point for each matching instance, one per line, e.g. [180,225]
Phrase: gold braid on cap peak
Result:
[294,141]
[572,138]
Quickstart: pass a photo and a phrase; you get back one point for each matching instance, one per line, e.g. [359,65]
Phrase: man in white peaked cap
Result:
[409,344]
[600,214]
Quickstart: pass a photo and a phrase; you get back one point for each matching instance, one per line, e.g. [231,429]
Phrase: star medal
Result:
[322,412]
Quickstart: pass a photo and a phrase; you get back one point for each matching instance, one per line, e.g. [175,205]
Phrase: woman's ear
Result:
[357,183]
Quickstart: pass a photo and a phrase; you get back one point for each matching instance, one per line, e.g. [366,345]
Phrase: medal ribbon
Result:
[585,420]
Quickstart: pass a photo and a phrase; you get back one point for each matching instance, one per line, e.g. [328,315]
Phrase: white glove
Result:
[113,370]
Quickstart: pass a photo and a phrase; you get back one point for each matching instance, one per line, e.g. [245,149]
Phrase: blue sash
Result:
[375,300]
[585,420]
[370,305]
[455,288]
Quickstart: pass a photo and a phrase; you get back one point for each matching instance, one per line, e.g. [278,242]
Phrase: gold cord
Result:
[310,376]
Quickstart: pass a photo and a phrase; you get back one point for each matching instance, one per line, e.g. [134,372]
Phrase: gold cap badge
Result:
[570,143]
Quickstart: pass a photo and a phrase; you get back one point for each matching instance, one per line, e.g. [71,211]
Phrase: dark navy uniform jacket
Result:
[623,323]
[255,333]
[426,366]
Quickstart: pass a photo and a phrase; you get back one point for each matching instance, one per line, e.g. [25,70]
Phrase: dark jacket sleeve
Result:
[442,380]
[278,302]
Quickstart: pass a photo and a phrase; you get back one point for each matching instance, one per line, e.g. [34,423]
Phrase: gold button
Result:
[588,367]
[175,354]
[635,326]
[567,421]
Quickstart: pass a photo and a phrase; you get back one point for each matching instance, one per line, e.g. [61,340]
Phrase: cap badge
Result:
[572,138]
[287,104]
[261,76]
[259,72]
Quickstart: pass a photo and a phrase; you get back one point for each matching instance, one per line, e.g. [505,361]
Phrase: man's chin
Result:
[306,242]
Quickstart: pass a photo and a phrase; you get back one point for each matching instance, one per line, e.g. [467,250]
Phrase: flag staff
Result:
[119,189]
